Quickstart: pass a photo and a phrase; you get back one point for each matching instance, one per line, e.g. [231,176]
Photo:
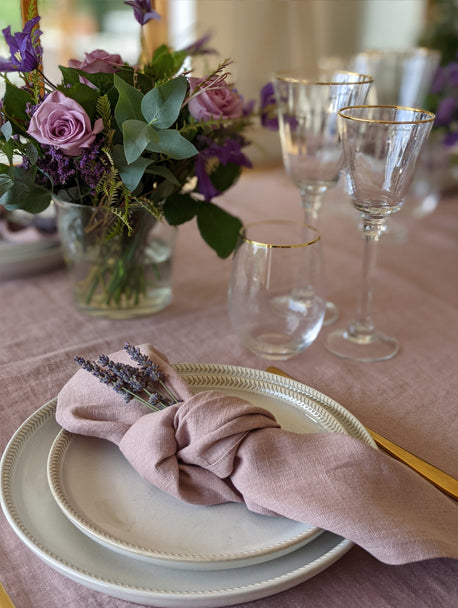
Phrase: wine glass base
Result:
[331,313]
[378,348]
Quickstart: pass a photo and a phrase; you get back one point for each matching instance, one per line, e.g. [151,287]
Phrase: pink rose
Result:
[218,102]
[98,61]
[61,122]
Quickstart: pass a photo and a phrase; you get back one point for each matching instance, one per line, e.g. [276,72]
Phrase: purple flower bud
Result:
[143,11]
[24,48]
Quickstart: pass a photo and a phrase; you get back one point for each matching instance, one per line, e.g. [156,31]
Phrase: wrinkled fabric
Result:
[213,448]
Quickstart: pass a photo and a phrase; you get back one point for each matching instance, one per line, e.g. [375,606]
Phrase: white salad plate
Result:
[40,523]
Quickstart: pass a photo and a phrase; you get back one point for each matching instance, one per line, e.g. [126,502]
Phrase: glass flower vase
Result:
[114,273]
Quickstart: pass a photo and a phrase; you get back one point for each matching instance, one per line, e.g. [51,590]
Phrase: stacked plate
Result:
[22,259]
[79,505]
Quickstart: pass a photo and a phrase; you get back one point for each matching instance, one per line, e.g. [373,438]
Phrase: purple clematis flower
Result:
[24,48]
[213,155]
[143,11]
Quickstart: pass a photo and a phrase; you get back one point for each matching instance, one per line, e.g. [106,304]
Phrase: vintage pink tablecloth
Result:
[412,398]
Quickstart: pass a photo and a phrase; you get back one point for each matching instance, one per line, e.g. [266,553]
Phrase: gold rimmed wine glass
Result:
[312,153]
[381,145]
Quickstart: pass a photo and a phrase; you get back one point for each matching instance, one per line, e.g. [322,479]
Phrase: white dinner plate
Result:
[37,520]
[100,492]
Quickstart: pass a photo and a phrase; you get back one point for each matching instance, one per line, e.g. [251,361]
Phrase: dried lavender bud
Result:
[129,381]
[103,360]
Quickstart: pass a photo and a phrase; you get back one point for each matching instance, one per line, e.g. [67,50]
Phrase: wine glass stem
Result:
[311,199]
[362,329]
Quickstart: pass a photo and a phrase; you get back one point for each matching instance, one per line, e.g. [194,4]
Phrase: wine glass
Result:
[403,77]
[381,145]
[311,148]
[276,295]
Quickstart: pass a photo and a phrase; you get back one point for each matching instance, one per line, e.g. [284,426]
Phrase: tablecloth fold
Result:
[213,448]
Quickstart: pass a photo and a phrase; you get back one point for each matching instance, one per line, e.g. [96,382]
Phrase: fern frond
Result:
[123,222]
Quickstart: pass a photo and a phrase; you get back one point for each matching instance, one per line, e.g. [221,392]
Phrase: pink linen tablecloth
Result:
[412,398]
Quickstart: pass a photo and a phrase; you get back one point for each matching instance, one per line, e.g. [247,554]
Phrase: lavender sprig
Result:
[149,368]
[139,383]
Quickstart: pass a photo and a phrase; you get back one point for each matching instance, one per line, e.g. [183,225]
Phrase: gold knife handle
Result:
[445,482]
[437,477]
[5,600]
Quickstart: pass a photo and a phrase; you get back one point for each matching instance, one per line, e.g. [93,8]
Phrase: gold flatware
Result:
[445,482]
[5,600]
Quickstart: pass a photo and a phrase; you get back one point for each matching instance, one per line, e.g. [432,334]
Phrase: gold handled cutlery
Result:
[442,480]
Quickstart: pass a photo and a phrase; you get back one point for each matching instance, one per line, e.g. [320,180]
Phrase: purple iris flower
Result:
[24,48]
[269,118]
[143,11]
[215,154]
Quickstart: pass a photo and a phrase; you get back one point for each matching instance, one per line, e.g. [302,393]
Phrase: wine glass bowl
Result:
[381,145]
[276,296]
[311,149]
[401,76]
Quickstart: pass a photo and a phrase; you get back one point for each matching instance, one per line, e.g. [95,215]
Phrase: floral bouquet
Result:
[122,138]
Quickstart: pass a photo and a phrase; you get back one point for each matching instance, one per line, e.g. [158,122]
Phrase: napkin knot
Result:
[211,448]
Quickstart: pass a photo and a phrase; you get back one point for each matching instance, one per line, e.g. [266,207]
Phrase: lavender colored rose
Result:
[62,122]
[215,99]
[98,61]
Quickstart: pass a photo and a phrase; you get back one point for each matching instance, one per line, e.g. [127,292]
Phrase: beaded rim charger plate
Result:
[100,492]
[38,521]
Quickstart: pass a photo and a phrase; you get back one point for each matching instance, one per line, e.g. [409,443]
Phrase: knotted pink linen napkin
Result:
[213,448]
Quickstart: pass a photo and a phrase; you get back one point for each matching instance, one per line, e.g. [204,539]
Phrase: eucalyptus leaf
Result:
[131,174]
[7,130]
[161,106]
[129,102]
[173,144]
[218,228]
[163,172]
[137,135]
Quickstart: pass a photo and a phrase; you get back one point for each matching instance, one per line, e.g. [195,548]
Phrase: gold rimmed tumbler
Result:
[276,295]
[312,153]
[381,145]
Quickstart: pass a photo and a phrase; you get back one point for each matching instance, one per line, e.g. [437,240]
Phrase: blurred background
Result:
[261,36]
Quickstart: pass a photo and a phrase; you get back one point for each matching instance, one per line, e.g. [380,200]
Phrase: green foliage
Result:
[165,63]
[14,105]
[180,208]
[20,191]
[218,228]
[144,157]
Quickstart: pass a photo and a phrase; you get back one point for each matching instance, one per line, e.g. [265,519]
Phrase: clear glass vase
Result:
[114,274]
